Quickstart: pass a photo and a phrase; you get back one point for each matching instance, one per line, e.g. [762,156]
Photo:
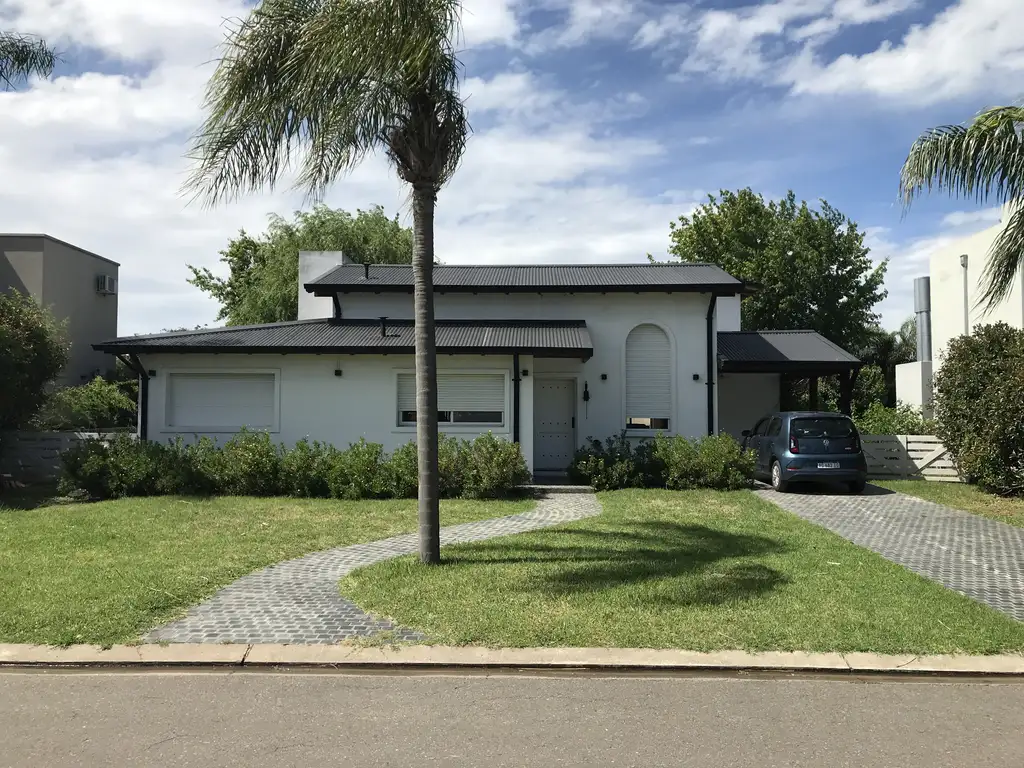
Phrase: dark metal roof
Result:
[537,337]
[781,351]
[577,278]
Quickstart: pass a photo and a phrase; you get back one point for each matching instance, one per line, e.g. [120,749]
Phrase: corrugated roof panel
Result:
[678,276]
[318,336]
[780,346]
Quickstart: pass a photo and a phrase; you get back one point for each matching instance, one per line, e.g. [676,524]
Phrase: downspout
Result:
[711,362]
[515,398]
[133,363]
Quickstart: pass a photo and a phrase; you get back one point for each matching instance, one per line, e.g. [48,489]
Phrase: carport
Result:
[756,370]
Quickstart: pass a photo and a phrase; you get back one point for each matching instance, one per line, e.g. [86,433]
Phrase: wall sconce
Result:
[526,372]
[337,372]
[696,377]
[604,377]
[151,373]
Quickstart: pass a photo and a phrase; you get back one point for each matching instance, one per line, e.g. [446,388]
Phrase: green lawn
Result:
[962,496]
[695,570]
[105,572]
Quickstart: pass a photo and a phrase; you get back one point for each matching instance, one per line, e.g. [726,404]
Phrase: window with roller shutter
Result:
[222,401]
[469,399]
[648,378]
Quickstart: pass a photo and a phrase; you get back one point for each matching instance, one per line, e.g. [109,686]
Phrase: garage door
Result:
[213,402]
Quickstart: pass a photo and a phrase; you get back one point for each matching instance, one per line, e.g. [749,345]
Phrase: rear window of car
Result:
[822,427]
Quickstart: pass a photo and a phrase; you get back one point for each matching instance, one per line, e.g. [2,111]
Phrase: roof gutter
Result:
[710,320]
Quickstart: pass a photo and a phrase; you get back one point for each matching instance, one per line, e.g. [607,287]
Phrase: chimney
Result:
[366,271]
[923,314]
[384,327]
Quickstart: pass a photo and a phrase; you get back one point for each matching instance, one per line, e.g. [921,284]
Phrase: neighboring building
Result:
[952,289]
[78,287]
[546,356]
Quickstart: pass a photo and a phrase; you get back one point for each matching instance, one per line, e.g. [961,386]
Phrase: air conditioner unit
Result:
[106,284]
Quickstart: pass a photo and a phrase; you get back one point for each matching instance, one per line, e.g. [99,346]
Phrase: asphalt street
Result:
[242,718]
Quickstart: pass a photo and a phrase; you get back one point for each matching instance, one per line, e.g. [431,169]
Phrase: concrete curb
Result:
[442,658]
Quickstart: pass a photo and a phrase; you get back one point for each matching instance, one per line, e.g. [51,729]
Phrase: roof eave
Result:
[719,289]
[790,366]
[584,353]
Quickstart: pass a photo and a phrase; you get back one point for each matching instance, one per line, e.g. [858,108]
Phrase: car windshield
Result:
[822,427]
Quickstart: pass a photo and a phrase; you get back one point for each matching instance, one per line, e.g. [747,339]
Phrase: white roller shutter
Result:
[217,401]
[457,392]
[648,373]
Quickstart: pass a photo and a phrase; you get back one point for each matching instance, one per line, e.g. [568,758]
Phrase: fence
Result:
[34,457]
[895,457]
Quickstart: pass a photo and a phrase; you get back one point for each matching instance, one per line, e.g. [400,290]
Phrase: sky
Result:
[596,123]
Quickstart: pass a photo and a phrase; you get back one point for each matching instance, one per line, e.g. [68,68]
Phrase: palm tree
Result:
[322,84]
[983,160]
[886,350]
[21,57]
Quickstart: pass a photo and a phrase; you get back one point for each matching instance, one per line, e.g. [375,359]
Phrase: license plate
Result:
[828,465]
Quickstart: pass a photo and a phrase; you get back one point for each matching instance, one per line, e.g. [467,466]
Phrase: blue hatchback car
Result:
[818,446]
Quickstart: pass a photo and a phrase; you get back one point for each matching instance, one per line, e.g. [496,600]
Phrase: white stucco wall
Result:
[947,290]
[314,403]
[609,318]
[914,385]
[728,313]
[743,398]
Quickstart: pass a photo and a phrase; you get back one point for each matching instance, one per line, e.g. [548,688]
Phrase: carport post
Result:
[812,388]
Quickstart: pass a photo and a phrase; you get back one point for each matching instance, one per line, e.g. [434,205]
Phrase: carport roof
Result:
[544,338]
[782,352]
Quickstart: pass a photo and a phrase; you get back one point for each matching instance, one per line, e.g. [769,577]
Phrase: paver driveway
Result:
[978,557]
[297,601]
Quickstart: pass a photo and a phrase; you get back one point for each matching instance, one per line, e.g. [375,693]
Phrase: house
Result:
[546,356]
[78,287]
[955,282]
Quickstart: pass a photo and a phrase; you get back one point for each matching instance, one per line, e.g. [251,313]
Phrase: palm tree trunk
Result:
[426,372]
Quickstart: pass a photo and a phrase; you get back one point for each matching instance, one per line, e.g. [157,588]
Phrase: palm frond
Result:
[983,161]
[1003,262]
[317,85]
[21,57]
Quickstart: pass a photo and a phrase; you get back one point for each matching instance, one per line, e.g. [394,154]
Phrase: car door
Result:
[768,447]
[754,442]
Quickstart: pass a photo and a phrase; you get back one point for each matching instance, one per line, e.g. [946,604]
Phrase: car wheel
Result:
[857,486]
[778,483]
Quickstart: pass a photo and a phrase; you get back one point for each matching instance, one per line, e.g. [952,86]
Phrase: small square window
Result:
[646,422]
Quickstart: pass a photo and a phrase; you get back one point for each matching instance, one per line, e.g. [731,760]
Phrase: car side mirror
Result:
[745,433]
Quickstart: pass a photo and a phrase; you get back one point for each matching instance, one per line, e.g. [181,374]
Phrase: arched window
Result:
[648,378]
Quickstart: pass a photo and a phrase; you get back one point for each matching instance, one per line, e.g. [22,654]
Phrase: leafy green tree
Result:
[22,56]
[981,161]
[317,86]
[887,349]
[812,266]
[263,273]
[33,351]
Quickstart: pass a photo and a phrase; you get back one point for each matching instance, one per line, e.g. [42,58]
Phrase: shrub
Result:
[979,404]
[618,463]
[305,469]
[96,405]
[904,419]
[453,459]
[249,464]
[404,472]
[360,472]
[190,469]
[115,469]
[669,462]
[33,351]
[496,468]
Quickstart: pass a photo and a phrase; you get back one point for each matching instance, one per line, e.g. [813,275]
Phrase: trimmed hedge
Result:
[675,463]
[251,464]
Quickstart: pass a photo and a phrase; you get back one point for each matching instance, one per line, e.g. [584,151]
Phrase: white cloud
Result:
[986,216]
[97,159]
[586,20]
[489,22]
[974,46]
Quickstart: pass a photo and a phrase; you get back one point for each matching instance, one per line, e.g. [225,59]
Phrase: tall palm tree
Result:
[320,84]
[984,161]
[21,57]
[886,350]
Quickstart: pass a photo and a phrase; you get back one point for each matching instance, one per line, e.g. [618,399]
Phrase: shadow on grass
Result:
[695,557]
[28,497]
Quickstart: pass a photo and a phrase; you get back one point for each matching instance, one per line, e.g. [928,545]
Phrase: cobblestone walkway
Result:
[297,601]
[978,557]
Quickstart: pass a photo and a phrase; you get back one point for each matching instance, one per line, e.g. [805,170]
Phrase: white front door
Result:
[554,424]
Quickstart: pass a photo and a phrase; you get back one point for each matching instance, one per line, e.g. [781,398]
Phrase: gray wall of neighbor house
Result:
[62,277]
